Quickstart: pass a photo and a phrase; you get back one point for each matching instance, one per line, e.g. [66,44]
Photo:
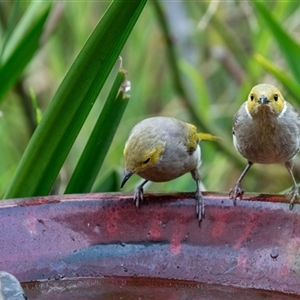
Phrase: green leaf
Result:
[65,115]
[22,44]
[10,25]
[37,110]
[110,183]
[291,85]
[100,140]
[198,93]
[288,46]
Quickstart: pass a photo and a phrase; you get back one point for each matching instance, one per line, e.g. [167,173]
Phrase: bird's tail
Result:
[207,137]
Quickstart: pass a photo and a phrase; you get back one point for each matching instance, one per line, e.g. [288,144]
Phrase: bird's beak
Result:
[263,100]
[127,175]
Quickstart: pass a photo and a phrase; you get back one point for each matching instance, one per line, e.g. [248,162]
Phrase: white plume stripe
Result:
[247,111]
[283,110]
[197,155]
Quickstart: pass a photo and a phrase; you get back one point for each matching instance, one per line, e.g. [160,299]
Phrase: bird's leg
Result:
[294,193]
[237,191]
[139,194]
[199,197]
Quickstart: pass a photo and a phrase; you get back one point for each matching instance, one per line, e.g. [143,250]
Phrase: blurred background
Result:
[192,60]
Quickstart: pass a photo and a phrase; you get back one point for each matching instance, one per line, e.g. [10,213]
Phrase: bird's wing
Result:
[239,117]
[294,111]
[298,119]
[235,121]
[192,138]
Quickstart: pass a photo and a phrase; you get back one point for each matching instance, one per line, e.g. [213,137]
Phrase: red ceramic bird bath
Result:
[100,246]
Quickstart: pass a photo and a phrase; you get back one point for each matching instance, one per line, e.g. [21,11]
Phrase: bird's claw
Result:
[199,206]
[293,195]
[138,196]
[236,192]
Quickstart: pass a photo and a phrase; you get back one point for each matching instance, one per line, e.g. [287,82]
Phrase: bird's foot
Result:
[236,192]
[199,206]
[138,196]
[293,195]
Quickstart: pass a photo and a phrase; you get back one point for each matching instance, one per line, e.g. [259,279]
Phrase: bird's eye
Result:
[252,97]
[275,97]
[146,161]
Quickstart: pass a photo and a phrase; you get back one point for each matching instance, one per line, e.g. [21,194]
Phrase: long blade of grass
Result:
[110,183]
[9,25]
[291,85]
[288,46]
[99,142]
[22,44]
[199,89]
[66,113]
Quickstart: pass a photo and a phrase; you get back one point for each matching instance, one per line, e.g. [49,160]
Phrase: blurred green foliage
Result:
[65,115]
[193,60]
